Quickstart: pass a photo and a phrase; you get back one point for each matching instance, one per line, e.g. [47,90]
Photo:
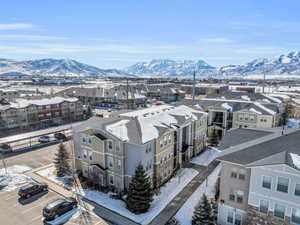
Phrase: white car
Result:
[44,139]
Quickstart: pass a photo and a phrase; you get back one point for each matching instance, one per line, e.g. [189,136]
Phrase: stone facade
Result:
[255,217]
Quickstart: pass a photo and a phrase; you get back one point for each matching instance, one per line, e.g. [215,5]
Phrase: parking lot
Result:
[29,212]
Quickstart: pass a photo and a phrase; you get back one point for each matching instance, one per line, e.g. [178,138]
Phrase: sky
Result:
[119,33]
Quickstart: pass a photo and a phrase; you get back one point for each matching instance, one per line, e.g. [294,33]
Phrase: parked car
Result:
[60,136]
[58,207]
[5,148]
[44,139]
[32,189]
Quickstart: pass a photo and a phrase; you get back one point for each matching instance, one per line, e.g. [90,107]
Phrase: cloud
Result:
[15,26]
[216,40]
[26,37]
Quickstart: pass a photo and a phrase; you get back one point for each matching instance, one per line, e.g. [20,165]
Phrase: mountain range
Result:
[55,67]
[288,64]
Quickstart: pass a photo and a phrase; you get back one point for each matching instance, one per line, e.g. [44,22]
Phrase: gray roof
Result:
[236,106]
[118,92]
[241,96]
[276,150]
[240,135]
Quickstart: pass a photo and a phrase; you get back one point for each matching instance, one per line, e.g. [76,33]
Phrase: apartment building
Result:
[9,94]
[112,98]
[161,138]
[165,92]
[39,113]
[225,113]
[260,181]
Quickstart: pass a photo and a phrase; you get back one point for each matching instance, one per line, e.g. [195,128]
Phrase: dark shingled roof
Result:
[274,151]
[240,135]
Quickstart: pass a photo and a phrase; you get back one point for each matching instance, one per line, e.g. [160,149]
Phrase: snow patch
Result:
[227,106]
[49,173]
[296,160]
[65,217]
[14,177]
[255,111]
[206,157]
[119,129]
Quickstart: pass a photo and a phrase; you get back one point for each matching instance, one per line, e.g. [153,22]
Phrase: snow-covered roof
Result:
[23,103]
[119,129]
[295,160]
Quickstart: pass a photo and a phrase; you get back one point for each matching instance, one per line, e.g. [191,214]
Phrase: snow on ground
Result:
[14,177]
[167,193]
[296,160]
[49,173]
[184,215]
[72,214]
[206,157]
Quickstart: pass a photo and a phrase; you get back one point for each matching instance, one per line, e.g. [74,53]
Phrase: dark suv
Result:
[58,207]
[32,189]
[60,136]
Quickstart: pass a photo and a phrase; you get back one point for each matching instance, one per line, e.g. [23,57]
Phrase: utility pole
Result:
[127,87]
[264,83]
[193,91]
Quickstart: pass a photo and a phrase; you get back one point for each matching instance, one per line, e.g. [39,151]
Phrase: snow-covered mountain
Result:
[169,68]
[55,67]
[288,64]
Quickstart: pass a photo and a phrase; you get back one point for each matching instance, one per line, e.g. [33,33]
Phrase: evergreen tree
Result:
[140,194]
[213,138]
[203,213]
[214,207]
[61,161]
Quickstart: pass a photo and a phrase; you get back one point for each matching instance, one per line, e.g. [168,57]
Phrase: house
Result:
[161,138]
[260,179]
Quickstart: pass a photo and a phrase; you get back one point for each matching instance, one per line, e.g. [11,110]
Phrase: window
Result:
[297,190]
[239,197]
[165,140]
[111,180]
[279,211]
[296,216]
[242,174]
[170,139]
[90,141]
[234,173]
[230,217]
[84,153]
[161,144]
[238,219]
[283,184]
[119,164]
[267,181]
[264,206]
[232,197]
[118,147]
[110,145]
[110,162]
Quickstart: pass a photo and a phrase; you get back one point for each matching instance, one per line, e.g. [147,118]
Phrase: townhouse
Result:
[260,180]
[9,94]
[39,113]
[247,110]
[113,98]
[161,138]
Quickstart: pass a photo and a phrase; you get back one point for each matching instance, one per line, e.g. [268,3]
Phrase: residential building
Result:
[9,94]
[161,138]
[39,113]
[260,180]
[165,92]
[225,113]
[111,98]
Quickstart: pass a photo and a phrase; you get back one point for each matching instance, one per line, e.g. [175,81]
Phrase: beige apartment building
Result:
[161,138]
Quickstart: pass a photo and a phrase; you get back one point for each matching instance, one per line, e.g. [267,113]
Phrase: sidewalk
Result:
[167,213]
